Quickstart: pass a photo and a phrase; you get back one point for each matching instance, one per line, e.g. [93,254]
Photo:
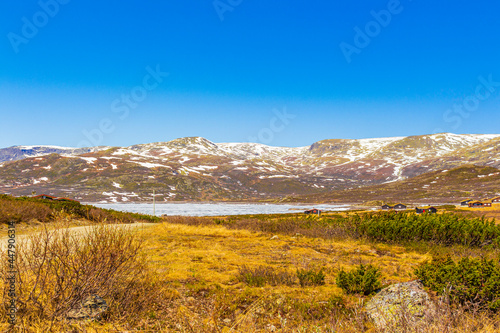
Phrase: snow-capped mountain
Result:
[198,169]
[21,152]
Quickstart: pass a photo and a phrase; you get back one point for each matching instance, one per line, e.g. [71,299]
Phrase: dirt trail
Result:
[77,230]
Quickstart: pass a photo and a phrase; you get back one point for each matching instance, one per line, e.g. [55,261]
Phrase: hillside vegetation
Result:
[468,181]
[27,209]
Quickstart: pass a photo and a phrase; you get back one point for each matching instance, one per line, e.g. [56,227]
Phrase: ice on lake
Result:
[216,209]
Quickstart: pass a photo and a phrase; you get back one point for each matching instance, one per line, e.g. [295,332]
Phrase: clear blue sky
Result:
[64,70]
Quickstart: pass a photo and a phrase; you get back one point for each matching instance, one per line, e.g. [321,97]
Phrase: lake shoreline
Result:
[217,209]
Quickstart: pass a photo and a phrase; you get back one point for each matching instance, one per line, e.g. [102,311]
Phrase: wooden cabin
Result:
[487,203]
[44,196]
[399,206]
[387,207]
[426,209]
[465,202]
[496,200]
[313,211]
[476,204]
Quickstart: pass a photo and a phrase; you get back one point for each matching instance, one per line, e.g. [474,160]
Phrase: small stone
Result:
[227,321]
[274,237]
[92,307]
[271,328]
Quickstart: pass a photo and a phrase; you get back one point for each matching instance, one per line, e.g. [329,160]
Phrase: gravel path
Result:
[78,231]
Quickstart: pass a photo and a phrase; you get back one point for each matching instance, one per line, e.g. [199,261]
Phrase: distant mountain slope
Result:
[21,152]
[468,181]
[197,169]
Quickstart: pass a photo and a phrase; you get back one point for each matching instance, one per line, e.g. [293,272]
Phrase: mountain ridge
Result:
[195,168]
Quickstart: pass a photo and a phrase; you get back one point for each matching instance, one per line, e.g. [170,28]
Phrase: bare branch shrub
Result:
[57,269]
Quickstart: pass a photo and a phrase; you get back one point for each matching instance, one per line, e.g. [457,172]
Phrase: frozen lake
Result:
[216,209]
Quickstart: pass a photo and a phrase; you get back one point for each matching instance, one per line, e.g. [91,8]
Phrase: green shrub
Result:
[443,229]
[311,277]
[262,275]
[395,227]
[361,280]
[468,281]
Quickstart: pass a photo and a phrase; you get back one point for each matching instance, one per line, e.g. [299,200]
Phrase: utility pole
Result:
[154,203]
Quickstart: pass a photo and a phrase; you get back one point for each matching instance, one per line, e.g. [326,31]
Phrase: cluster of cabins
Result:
[418,210]
[480,203]
[430,209]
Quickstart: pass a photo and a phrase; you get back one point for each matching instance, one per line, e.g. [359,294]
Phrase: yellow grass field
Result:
[196,269]
[197,260]
[214,254]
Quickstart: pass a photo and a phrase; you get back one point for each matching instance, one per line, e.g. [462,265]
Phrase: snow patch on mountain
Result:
[89,160]
[39,180]
[151,165]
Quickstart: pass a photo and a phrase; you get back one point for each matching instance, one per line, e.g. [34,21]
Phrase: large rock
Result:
[400,303]
[92,307]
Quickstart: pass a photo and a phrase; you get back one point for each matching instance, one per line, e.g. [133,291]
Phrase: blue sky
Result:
[280,73]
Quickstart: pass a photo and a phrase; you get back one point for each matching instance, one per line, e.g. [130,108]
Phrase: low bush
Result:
[262,275]
[469,281]
[361,280]
[311,277]
[442,229]
[16,211]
